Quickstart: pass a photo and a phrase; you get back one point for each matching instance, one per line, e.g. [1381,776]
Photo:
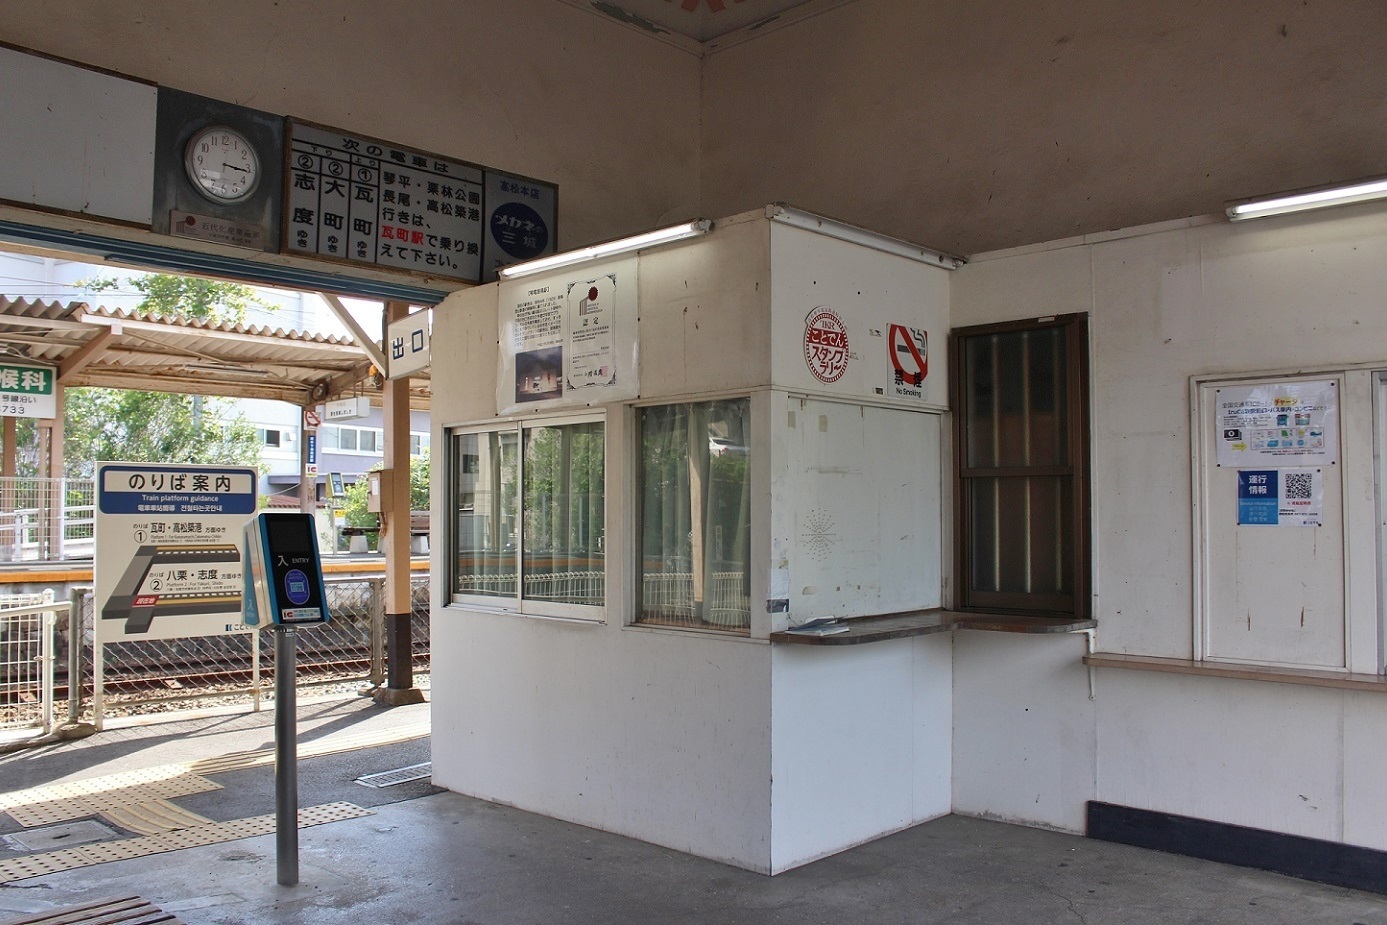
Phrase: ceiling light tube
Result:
[608,249]
[1301,202]
[787,215]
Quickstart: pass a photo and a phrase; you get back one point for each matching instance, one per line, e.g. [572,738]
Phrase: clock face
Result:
[222,164]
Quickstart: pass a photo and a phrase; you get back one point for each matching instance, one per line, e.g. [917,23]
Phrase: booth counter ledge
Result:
[928,622]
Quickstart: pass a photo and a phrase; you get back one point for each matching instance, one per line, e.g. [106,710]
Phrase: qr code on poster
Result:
[1299,486]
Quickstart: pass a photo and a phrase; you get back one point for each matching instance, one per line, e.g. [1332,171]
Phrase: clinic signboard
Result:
[28,391]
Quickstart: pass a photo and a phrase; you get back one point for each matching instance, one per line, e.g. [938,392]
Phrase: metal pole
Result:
[286,757]
[76,643]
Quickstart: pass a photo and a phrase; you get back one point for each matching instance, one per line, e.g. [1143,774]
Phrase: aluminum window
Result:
[695,516]
[529,516]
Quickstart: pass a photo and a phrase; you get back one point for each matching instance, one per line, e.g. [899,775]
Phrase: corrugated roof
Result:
[116,348]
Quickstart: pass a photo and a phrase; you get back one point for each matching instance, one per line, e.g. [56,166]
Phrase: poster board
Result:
[568,339]
[1269,530]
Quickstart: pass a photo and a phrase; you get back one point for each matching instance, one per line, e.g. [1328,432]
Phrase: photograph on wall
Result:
[168,558]
[1280,424]
[568,338]
[539,374]
[1281,497]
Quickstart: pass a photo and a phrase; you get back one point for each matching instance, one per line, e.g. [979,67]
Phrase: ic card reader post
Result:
[284,590]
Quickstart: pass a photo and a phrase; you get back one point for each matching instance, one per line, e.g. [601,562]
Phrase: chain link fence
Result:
[346,654]
[46,519]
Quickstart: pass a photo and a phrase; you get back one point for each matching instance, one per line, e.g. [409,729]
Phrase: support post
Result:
[394,536]
[286,756]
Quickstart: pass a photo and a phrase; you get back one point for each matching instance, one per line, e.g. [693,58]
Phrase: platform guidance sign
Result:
[168,555]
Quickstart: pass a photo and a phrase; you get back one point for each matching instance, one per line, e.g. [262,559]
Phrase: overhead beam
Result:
[88,352]
[363,340]
[167,330]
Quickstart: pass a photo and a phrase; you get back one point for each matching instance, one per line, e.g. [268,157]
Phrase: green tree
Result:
[353,500]
[192,297]
[116,424]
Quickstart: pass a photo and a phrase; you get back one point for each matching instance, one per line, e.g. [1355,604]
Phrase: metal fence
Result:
[46,519]
[151,676]
[667,598]
[27,624]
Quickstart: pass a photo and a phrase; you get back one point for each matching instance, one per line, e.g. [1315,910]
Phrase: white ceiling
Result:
[703,20]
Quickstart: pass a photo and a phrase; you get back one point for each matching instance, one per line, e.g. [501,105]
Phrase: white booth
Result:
[656,465]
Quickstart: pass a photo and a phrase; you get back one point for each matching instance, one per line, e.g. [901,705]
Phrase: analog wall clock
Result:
[222,164]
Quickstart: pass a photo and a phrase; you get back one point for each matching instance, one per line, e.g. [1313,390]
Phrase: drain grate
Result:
[397,776]
[36,865]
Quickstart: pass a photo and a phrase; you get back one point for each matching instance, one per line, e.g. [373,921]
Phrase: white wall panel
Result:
[860,743]
[862,530]
[1250,753]
[660,736]
[75,139]
[1024,730]
[1365,770]
[869,290]
[704,306]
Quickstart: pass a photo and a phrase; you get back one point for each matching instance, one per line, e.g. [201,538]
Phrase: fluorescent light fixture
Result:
[1301,202]
[609,249]
[787,215]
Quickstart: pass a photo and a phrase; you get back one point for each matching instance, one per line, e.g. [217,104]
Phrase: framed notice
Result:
[568,339]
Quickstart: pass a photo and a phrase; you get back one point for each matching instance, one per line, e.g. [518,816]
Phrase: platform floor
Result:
[427,856]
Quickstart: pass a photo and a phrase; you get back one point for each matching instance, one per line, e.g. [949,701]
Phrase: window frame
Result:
[635,517]
[519,604]
[1078,444]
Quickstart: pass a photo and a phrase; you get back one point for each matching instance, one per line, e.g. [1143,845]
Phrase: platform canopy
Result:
[110,348]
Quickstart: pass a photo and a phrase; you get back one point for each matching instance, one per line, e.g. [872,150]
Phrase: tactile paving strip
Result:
[153,817]
[51,862]
[94,795]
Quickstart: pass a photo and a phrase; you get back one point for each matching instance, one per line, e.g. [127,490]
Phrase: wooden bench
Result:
[418,534]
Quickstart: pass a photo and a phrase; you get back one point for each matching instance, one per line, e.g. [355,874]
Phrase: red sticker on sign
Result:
[145,600]
[826,344]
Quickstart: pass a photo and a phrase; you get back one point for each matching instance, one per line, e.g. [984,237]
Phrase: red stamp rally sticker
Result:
[826,344]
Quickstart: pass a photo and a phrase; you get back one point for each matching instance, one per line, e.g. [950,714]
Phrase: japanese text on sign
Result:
[371,202]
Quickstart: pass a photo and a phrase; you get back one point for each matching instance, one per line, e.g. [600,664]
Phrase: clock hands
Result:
[234,167]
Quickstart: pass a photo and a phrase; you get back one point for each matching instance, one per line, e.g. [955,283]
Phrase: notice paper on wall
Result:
[568,339]
[1281,497]
[1287,423]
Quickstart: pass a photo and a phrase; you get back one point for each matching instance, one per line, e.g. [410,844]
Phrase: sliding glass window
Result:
[529,516]
[695,516]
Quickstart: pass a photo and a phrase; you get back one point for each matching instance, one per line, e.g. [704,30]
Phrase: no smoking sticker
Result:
[909,352]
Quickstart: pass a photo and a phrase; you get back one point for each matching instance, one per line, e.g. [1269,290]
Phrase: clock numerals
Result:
[222,165]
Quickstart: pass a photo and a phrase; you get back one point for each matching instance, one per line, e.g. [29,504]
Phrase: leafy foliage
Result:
[353,501]
[188,297]
[111,424]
